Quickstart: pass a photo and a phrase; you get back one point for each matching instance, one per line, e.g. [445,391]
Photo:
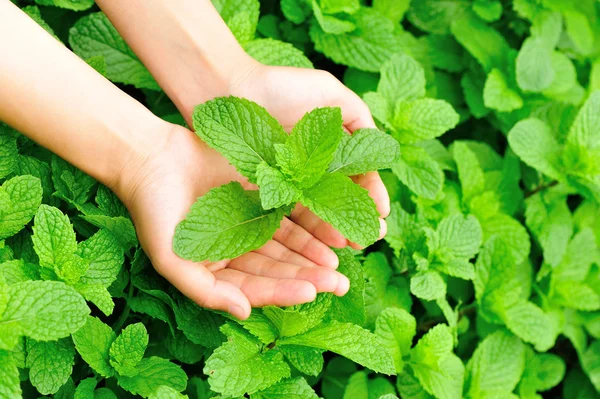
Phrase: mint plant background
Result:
[486,286]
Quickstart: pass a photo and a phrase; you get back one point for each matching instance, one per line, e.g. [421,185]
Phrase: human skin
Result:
[159,169]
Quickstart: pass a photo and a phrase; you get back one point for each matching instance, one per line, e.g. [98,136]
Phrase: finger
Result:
[323,278]
[374,185]
[312,245]
[197,283]
[263,291]
[317,228]
[355,112]
[277,251]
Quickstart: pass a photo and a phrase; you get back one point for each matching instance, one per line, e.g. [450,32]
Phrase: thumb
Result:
[355,112]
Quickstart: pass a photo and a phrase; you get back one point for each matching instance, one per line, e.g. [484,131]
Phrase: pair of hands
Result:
[297,263]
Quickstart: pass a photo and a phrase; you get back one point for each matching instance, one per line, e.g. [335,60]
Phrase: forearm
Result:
[185,44]
[57,100]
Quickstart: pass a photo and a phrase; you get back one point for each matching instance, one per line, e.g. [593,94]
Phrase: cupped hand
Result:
[290,269]
[288,93]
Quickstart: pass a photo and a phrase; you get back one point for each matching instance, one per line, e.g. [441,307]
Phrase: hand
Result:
[290,269]
[289,93]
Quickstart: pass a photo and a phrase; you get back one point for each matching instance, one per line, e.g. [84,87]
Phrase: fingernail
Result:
[343,286]
[237,311]
[382,228]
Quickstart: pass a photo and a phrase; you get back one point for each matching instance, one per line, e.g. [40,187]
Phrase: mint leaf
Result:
[276,53]
[344,205]
[94,35]
[360,386]
[127,350]
[534,142]
[422,119]
[53,237]
[366,48]
[330,24]
[534,65]
[93,342]
[292,388]
[350,307]
[309,150]
[440,372]
[397,328]
[76,5]
[498,95]
[70,183]
[238,366]
[428,285]
[417,170]
[225,223]
[275,189]
[20,198]
[43,310]
[296,11]
[471,175]
[308,361]
[496,365]
[105,257]
[458,237]
[166,392]
[288,322]
[9,152]
[98,295]
[435,17]
[590,361]
[393,9]
[402,78]
[50,364]
[10,384]
[542,372]
[364,151]
[152,373]
[348,340]
[240,130]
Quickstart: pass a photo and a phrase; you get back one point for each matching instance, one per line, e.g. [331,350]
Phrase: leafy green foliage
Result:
[487,284]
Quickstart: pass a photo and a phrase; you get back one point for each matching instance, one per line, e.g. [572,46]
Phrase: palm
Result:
[286,271]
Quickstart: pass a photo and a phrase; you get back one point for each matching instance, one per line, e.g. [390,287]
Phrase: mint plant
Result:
[310,166]
[486,285]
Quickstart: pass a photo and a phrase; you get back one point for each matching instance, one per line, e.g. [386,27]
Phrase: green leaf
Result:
[419,172]
[428,285]
[85,389]
[364,151]
[152,373]
[70,183]
[423,119]
[238,366]
[590,361]
[366,48]
[350,307]
[98,295]
[199,325]
[585,131]
[458,236]
[440,372]
[166,392]
[534,142]
[308,361]
[53,237]
[43,310]
[94,35]
[482,41]
[310,148]
[496,365]
[531,324]
[76,5]
[10,385]
[20,198]
[346,206]
[288,322]
[542,372]
[498,95]
[292,388]
[470,174]
[127,350]
[50,364]
[393,9]
[105,257]
[296,11]
[276,53]
[402,78]
[579,30]
[225,223]
[240,130]
[120,227]
[93,343]
[511,232]
[397,328]
[9,153]
[275,189]
[534,65]
[360,386]
[348,340]
[330,24]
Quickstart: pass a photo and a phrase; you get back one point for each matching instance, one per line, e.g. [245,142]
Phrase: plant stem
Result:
[125,314]
[541,188]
